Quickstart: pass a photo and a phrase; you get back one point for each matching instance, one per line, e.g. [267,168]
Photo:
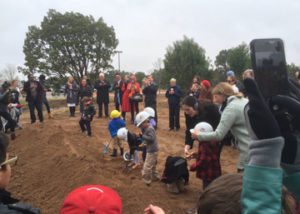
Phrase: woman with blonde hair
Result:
[71,91]
[232,119]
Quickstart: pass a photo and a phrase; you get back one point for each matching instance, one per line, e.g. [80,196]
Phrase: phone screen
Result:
[269,65]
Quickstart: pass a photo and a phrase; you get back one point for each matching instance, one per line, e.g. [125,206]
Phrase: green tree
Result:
[183,60]
[292,70]
[236,59]
[140,76]
[69,43]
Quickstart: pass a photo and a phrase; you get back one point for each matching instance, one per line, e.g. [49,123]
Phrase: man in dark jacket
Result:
[150,92]
[42,80]
[118,91]
[5,99]
[102,86]
[8,204]
[34,97]
[173,94]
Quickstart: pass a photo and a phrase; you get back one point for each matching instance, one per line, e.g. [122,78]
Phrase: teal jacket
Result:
[262,189]
[232,119]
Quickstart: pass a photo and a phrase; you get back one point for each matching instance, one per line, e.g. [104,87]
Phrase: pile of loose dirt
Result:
[57,158]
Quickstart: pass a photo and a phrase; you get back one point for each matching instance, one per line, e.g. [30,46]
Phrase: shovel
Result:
[106,148]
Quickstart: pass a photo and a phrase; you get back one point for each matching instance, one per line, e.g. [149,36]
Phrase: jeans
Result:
[38,105]
[133,105]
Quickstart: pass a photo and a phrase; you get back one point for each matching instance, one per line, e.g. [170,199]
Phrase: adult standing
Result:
[234,82]
[125,97]
[102,86]
[118,84]
[150,92]
[232,118]
[173,94]
[196,112]
[34,97]
[133,89]
[85,90]
[71,90]
[5,99]
[42,80]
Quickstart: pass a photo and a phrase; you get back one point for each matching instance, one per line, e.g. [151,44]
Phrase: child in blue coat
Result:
[114,125]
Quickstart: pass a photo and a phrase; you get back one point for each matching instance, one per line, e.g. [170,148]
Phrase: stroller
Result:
[15,110]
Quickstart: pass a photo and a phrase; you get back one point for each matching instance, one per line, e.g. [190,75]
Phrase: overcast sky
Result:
[145,28]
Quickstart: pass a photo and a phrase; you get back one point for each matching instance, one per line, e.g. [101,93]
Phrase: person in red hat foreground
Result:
[92,199]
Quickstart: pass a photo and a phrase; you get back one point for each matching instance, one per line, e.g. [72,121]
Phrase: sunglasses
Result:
[10,160]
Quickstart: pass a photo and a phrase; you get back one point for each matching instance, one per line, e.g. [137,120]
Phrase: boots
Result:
[12,136]
[114,153]
[122,151]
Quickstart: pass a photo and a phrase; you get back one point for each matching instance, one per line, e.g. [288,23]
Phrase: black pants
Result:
[174,115]
[85,125]
[132,105]
[46,103]
[72,111]
[100,105]
[11,123]
[39,107]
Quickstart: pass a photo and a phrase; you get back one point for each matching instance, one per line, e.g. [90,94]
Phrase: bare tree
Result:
[157,67]
[9,73]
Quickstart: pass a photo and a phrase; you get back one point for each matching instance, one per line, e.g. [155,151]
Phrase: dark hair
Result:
[4,141]
[118,74]
[42,77]
[191,102]
[5,85]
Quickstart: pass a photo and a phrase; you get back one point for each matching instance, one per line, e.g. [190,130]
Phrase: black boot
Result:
[114,153]
[121,151]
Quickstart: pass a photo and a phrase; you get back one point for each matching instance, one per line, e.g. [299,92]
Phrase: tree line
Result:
[75,44]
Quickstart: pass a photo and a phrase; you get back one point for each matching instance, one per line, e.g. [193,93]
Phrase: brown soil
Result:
[57,158]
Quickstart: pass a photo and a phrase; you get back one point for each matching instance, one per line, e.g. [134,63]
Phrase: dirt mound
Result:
[57,158]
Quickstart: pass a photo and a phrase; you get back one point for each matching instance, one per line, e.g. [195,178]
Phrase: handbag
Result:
[137,97]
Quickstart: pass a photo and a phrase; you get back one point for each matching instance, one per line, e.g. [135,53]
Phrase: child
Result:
[207,165]
[149,172]
[87,115]
[114,125]
[134,142]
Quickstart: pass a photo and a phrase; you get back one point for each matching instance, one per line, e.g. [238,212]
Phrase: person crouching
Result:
[87,115]
[207,165]
[149,172]
[134,141]
[114,125]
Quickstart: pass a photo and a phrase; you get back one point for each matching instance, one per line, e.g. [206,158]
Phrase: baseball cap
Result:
[95,199]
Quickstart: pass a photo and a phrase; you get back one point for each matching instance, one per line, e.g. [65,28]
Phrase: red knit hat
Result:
[94,199]
[206,84]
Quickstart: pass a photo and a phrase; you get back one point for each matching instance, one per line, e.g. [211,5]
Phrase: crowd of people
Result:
[267,147]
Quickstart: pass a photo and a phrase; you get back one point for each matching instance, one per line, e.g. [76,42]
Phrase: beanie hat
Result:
[92,199]
[206,84]
[230,73]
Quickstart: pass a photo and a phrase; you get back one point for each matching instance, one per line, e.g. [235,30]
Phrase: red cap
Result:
[206,84]
[94,199]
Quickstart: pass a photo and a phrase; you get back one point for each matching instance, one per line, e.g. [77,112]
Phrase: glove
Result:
[288,119]
[267,143]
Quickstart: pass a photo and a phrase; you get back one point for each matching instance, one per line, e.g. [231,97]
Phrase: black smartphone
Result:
[269,65]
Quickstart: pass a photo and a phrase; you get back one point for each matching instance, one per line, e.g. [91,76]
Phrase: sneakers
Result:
[172,188]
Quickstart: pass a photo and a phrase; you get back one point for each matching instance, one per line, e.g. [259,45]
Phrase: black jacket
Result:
[118,91]
[39,91]
[102,91]
[88,113]
[174,99]
[4,99]
[86,91]
[133,141]
[150,93]
[175,168]
[207,112]
[9,205]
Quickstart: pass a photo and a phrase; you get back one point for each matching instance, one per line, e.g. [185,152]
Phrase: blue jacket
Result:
[115,125]
[262,189]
